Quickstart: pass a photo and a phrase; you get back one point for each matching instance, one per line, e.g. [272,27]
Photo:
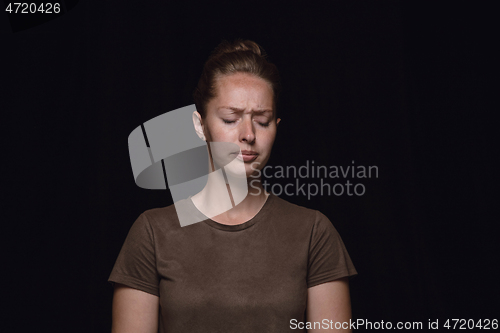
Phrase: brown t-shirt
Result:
[251,277]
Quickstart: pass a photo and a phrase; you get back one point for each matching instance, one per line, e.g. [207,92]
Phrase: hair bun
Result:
[238,45]
[239,56]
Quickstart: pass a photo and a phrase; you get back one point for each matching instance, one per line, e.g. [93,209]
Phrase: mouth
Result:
[247,155]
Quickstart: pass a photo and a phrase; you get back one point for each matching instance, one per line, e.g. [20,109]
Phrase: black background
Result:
[405,86]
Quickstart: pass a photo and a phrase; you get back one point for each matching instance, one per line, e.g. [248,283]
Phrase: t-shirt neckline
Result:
[259,216]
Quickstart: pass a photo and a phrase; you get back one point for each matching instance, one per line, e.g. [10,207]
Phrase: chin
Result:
[252,172]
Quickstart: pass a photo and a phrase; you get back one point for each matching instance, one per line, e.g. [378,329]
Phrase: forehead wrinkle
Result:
[240,110]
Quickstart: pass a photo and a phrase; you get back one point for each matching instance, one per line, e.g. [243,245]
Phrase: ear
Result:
[198,126]
[278,121]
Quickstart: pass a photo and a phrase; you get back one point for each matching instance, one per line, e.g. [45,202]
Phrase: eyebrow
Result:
[241,110]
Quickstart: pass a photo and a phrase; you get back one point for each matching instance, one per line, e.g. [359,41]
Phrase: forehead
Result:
[243,91]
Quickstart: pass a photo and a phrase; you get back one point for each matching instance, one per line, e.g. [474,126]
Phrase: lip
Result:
[247,155]
[249,152]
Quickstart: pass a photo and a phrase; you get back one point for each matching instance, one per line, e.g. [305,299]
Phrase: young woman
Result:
[264,265]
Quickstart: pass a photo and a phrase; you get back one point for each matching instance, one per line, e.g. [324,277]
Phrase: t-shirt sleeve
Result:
[135,266]
[328,257]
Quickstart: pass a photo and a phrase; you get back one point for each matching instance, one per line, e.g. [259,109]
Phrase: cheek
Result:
[268,139]
[223,135]
[215,133]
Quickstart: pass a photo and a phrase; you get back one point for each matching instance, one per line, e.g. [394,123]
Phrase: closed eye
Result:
[233,121]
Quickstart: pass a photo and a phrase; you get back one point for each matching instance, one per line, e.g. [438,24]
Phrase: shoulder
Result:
[300,214]
[160,217]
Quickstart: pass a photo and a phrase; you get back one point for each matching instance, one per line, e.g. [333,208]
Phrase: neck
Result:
[233,204]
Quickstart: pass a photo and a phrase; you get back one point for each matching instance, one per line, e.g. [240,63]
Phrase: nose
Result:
[247,131]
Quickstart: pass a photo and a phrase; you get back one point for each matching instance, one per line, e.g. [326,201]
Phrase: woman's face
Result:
[242,113]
